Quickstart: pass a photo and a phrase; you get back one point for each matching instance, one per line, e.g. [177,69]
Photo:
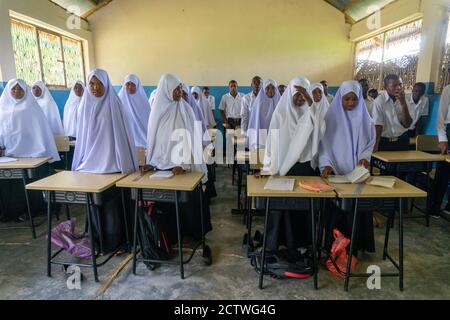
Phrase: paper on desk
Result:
[7,160]
[388,183]
[359,175]
[277,184]
[162,175]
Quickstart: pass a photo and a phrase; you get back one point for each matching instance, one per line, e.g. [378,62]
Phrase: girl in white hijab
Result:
[49,106]
[137,108]
[348,143]
[71,109]
[152,97]
[261,115]
[172,118]
[295,130]
[205,106]
[24,133]
[105,142]
[291,149]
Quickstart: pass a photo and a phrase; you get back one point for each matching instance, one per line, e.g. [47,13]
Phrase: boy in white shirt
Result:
[230,106]
[329,96]
[367,99]
[211,99]
[247,102]
[420,108]
[391,114]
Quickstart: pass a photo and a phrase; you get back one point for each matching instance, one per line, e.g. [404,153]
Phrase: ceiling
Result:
[354,10]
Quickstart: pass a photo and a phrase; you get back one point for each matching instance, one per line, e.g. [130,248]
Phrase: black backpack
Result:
[153,236]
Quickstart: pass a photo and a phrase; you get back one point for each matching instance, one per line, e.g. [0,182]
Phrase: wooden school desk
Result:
[299,199]
[64,148]
[76,188]
[24,169]
[408,162]
[371,198]
[246,162]
[166,190]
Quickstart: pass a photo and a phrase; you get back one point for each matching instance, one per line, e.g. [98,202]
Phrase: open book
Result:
[162,175]
[7,160]
[359,175]
[383,182]
[280,184]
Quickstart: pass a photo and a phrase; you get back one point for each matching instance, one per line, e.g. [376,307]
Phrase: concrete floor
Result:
[427,267]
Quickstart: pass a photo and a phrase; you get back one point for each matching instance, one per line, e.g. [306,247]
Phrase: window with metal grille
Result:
[393,52]
[45,55]
[444,72]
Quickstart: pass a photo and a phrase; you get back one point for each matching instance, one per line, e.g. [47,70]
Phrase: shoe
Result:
[435,216]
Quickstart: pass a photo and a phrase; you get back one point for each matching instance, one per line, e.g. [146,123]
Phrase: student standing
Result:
[24,133]
[205,107]
[230,106]
[247,102]
[136,107]
[49,106]
[329,96]
[261,115]
[105,145]
[348,142]
[420,108]
[281,89]
[367,99]
[71,109]
[290,151]
[392,117]
[211,99]
[171,114]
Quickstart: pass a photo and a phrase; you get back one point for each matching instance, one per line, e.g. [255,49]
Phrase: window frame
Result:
[60,36]
[384,32]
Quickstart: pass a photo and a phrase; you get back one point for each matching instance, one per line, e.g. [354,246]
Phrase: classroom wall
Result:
[211,42]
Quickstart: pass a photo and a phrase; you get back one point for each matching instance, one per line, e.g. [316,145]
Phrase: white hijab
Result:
[50,108]
[205,106]
[152,97]
[71,111]
[291,131]
[350,135]
[24,131]
[105,142]
[261,116]
[168,117]
[137,108]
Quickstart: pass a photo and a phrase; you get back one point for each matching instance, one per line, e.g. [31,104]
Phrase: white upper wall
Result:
[46,14]
[209,42]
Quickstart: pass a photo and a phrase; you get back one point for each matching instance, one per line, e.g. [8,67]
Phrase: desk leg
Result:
[263,259]
[350,258]
[180,240]
[429,191]
[400,244]
[125,219]
[49,234]
[99,223]
[391,218]
[314,239]
[247,174]
[200,190]
[249,225]
[239,206]
[30,215]
[91,235]
[136,210]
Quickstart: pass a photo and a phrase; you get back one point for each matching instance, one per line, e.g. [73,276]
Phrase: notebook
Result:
[383,182]
[315,186]
[280,184]
[359,175]
[162,175]
[7,160]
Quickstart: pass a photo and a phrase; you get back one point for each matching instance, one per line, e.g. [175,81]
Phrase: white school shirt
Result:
[212,102]
[330,98]
[369,104]
[386,113]
[246,109]
[420,109]
[444,115]
[231,105]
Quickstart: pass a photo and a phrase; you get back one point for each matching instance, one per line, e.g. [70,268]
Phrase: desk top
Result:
[25,163]
[256,189]
[185,182]
[407,156]
[77,182]
[401,190]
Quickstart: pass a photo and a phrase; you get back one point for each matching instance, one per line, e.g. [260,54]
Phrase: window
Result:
[395,51]
[444,72]
[46,55]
